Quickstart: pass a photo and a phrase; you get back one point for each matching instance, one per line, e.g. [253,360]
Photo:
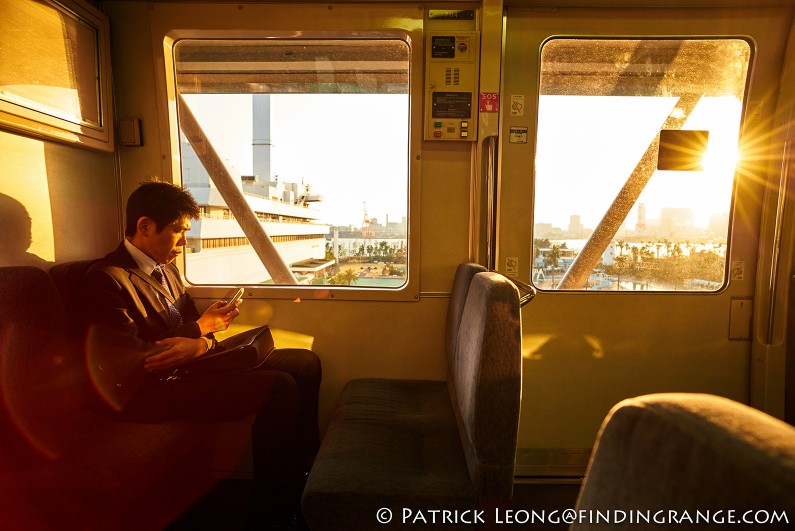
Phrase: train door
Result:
[624,199]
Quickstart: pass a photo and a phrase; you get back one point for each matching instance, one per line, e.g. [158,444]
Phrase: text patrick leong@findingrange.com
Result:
[583,516]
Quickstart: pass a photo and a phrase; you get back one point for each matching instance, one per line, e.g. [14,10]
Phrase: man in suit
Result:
[144,323]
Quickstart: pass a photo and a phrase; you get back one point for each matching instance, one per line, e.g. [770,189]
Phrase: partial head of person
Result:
[158,217]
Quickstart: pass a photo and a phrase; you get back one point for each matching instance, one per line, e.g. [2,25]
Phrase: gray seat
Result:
[429,444]
[690,453]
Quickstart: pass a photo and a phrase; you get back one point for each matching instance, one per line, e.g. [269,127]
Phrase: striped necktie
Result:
[173,313]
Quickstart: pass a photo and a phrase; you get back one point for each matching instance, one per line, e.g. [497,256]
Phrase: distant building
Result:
[676,217]
[609,256]
[216,241]
[576,229]
[546,230]
[373,230]
[575,225]
[640,225]
[676,220]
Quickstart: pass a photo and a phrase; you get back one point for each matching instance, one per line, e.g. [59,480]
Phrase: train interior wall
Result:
[57,202]
[74,197]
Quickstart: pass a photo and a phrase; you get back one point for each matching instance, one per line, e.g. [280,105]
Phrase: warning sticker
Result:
[518,135]
[517,104]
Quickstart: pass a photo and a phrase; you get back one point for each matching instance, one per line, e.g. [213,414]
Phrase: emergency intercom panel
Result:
[451,85]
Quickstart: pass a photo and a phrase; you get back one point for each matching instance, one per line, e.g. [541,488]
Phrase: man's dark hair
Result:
[163,203]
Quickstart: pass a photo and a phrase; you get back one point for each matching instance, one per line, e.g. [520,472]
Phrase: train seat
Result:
[425,445]
[690,453]
[63,465]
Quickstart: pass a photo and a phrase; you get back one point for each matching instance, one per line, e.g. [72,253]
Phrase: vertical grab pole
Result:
[490,146]
[783,187]
[483,208]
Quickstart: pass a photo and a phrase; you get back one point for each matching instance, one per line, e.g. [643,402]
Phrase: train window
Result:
[635,160]
[297,152]
[55,78]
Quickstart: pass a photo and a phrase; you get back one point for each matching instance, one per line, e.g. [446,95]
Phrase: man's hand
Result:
[179,350]
[218,317]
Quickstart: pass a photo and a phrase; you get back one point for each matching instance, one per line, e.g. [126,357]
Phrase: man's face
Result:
[166,245]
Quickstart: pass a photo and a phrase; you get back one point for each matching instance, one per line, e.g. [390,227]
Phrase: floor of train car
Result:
[224,507]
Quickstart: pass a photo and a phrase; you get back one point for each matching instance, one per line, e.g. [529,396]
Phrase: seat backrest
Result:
[485,383]
[33,358]
[29,301]
[67,277]
[455,308]
[690,452]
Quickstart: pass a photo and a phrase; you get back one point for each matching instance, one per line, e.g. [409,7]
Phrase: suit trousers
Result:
[282,392]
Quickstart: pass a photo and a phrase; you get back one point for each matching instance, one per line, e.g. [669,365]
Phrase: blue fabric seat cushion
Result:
[392,444]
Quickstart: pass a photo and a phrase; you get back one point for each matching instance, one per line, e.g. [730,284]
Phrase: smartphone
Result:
[238,294]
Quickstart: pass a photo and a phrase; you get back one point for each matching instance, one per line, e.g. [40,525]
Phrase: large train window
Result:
[297,152]
[635,161]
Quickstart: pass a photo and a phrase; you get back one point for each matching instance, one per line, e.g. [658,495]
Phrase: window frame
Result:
[39,120]
[412,36]
[727,270]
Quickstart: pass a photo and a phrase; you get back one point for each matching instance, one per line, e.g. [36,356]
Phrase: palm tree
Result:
[383,248]
[346,277]
[552,257]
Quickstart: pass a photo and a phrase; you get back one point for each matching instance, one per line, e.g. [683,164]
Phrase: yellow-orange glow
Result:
[723,119]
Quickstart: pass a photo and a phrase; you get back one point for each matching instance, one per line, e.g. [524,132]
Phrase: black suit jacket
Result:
[126,315]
